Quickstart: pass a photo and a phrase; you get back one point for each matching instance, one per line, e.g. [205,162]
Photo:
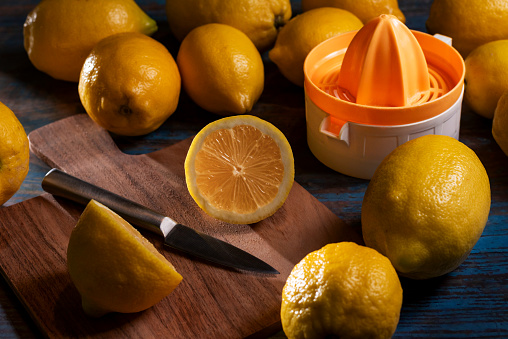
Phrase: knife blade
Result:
[175,235]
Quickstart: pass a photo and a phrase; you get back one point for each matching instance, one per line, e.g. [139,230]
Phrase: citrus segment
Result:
[114,268]
[240,169]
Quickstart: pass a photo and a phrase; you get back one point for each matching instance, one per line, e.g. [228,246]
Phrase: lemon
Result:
[114,268]
[14,154]
[426,206]
[342,290]
[500,123]
[470,23]
[305,31]
[258,19]
[486,77]
[130,84]
[239,169]
[59,34]
[365,10]
[221,69]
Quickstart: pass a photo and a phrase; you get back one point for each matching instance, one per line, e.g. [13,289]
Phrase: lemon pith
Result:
[239,169]
[114,268]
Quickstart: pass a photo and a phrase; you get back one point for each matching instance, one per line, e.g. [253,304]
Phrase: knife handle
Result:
[67,186]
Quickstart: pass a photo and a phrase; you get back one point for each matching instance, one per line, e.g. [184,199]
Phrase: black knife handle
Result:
[67,186]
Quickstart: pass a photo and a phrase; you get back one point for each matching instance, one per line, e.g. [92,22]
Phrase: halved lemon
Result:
[240,169]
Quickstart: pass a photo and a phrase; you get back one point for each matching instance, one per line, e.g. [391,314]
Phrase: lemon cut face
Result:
[114,268]
[240,169]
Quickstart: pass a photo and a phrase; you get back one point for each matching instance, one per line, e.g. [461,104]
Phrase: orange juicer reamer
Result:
[369,91]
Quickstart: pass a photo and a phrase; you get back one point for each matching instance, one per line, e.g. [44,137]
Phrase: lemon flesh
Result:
[342,290]
[239,169]
[14,154]
[426,206]
[114,268]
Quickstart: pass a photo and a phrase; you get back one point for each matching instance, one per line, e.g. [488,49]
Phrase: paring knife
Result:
[175,235]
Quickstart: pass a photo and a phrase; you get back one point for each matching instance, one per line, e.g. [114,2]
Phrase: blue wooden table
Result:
[472,301]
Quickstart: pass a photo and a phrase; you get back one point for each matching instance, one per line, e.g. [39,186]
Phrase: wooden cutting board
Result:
[211,302]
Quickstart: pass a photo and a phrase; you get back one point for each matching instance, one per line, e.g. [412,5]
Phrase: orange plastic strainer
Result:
[367,92]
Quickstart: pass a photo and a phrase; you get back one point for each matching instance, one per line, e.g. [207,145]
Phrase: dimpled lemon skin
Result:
[14,154]
[258,19]
[114,268]
[365,10]
[426,206]
[500,123]
[342,290]
[130,84]
[305,31]
[59,34]
[486,77]
[221,69]
[470,23]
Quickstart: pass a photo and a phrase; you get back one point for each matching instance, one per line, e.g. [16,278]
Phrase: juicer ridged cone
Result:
[384,65]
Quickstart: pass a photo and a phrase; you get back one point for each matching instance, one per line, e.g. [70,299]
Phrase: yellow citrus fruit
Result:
[114,268]
[470,23]
[258,19]
[59,34]
[130,84]
[305,31]
[500,123]
[342,290]
[239,169]
[222,71]
[426,206]
[365,10]
[14,154]
[486,77]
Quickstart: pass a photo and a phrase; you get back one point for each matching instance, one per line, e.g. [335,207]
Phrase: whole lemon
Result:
[470,23]
[130,84]
[222,71]
[114,268]
[486,77]
[365,10]
[59,34]
[426,206]
[14,154]
[258,19]
[305,31]
[342,290]
[500,123]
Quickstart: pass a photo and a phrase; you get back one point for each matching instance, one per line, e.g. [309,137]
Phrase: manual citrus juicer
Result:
[369,91]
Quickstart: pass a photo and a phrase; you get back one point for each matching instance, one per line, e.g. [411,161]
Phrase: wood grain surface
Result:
[211,301]
[470,302]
